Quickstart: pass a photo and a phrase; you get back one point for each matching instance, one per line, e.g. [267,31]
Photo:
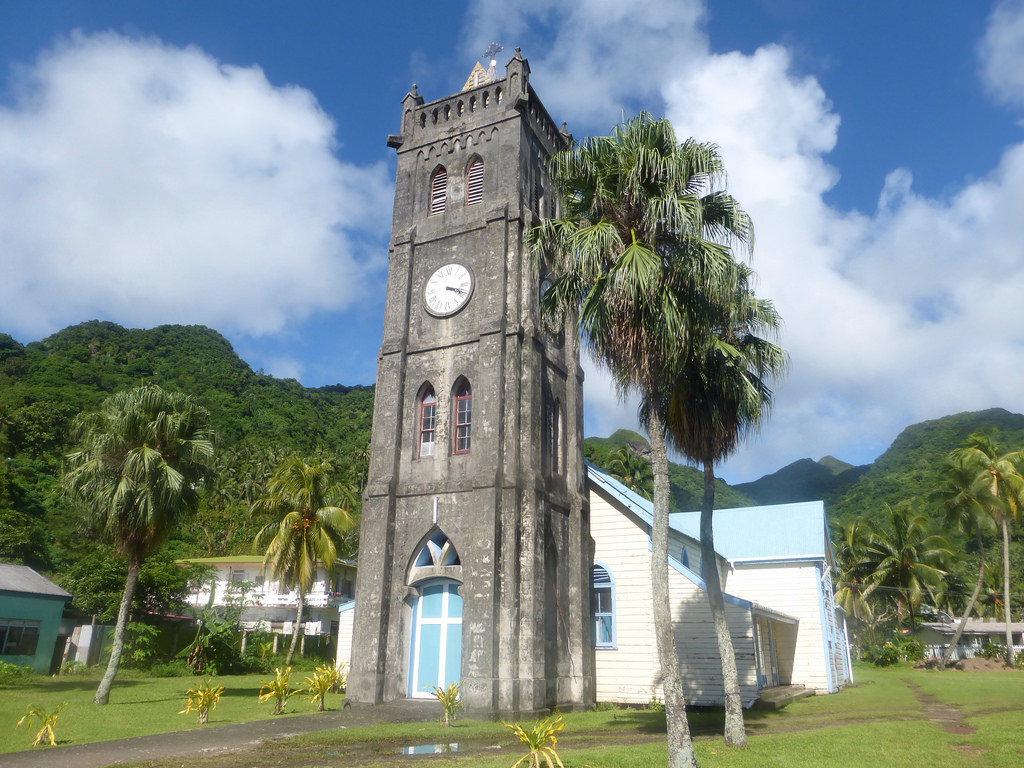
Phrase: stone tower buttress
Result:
[474,551]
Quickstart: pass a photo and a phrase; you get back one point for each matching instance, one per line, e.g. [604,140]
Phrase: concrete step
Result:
[779,696]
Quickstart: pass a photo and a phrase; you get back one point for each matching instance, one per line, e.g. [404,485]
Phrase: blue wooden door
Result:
[436,646]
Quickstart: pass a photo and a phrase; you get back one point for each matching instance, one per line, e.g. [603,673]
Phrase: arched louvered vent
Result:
[475,185]
[438,191]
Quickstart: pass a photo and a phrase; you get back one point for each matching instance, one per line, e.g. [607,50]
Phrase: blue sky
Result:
[224,164]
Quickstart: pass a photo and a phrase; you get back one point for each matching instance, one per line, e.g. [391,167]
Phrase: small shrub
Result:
[48,720]
[450,702]
[201,700]
[912,649]
[886,656]
[655,705]
[11,673]
[540,739]
[73,667]
[605,706]
[992,650]
[1018,660]
[277,689]
[319,684]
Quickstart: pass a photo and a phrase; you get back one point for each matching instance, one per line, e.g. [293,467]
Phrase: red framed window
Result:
[463,418]
[428,424]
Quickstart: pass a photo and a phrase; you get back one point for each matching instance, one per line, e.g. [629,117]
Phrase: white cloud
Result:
[146,184]
[892,317]
[1001,52]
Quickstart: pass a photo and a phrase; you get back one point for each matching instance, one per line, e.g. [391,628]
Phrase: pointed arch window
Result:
[602,607]
[475,182]
[438,191]
[437,552]
[428,423]
[463,417]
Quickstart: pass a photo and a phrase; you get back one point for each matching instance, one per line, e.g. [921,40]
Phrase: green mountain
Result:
[909,469]
[803,480]
[258,419]
[687,483]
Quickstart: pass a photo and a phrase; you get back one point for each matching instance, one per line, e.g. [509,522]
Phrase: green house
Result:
[30,611]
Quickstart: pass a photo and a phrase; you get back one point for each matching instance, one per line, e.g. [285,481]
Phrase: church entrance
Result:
[436,643]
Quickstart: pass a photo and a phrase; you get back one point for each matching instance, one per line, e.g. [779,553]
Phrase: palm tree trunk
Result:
[298,626]
[735,733]
[1006,589]
[103,692]
[680,746]
[970,603]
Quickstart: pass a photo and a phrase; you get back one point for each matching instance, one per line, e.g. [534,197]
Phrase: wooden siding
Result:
[345,624]
[630,672]
[790,588]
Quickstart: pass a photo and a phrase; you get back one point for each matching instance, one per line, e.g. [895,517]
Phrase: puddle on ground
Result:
[430,749]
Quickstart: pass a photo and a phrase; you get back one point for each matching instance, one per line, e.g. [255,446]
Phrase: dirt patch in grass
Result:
[982,665]
[950,719]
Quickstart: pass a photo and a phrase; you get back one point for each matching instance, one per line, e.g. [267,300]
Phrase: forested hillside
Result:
[258,419]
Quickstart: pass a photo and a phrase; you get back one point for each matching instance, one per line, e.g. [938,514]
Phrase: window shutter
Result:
[475,187]
[438,190]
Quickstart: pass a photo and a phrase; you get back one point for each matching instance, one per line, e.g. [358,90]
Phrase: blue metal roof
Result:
[775,532]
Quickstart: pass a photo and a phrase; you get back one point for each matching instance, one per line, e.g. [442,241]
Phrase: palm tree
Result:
[642,242]
[632,469]
[999,485]
[965,512]
[142,459]
[719,395]
[312,516]
[906,561]
[853,587]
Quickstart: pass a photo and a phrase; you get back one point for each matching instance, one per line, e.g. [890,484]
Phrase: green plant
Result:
[540,739]
[1018,660]
[885,656]
[48,719]
[277,689]
[202,699]
[72,667]
[992,650]
[140,644]
[655,705]
[320,683]
[12,672]
[450,702]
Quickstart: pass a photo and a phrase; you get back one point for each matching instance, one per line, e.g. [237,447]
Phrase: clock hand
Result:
[452,288]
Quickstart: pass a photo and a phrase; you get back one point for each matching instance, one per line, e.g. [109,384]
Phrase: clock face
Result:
[448,290]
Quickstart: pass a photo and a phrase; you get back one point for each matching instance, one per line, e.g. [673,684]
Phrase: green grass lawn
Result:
[138,706]
[879,722]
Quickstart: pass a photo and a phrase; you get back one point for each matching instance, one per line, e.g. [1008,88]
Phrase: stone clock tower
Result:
[474,552]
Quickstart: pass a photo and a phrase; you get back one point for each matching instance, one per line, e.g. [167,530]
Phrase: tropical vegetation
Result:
[641,256]
[142,458]
[310,517]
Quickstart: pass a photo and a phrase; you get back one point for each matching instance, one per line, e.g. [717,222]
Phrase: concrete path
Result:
[217,738]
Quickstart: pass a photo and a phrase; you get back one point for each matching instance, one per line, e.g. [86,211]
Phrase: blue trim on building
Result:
[824,631]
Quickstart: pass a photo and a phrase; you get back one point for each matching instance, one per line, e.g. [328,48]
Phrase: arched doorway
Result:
[436,643]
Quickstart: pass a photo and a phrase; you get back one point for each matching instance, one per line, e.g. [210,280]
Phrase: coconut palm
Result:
[906,561]
[142,459]
[312,514]
[965,512]
[853,587]
[632,469]
[719,394]
[642,243]
[999,485]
